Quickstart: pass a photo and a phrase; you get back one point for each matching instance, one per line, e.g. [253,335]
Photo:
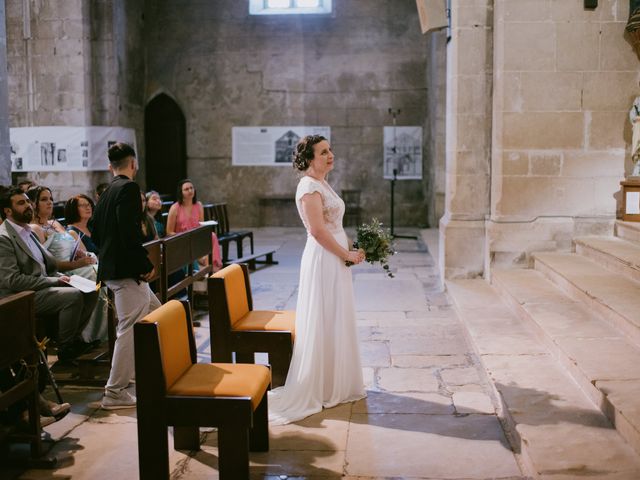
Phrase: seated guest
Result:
[26,184]
[27,265]
[70,253]
[148,225]
[42,202]
[186,214]
[77,212]
[100,189]
[153,209]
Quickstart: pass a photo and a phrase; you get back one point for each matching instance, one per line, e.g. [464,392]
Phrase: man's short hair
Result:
[5,199]
[119,153]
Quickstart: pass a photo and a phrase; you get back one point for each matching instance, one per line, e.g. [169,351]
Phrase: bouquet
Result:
[376,243]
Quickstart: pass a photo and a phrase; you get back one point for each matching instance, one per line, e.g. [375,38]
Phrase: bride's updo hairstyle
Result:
[303,153]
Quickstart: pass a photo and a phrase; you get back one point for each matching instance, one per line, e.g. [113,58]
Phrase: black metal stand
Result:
[393,185]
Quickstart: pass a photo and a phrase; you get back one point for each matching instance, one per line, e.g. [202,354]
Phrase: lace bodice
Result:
[332,204]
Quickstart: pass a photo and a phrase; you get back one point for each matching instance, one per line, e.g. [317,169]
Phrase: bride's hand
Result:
[355,256]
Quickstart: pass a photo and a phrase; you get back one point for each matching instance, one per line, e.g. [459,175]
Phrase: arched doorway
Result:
[166,145]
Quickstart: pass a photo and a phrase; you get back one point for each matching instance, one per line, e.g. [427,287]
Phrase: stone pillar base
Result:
[462,248]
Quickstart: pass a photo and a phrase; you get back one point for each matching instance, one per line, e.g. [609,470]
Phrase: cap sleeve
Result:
[307,185]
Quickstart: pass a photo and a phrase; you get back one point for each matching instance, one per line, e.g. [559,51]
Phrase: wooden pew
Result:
[219,213]
[179,251]
[17,342]
[256,258]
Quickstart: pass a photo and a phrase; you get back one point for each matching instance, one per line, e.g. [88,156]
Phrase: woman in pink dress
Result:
[186,214]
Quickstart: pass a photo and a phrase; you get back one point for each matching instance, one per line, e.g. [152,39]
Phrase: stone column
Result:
[5,146]
[468,139]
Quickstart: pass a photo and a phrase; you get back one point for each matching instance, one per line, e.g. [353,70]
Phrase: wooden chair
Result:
[17,343]
[238,235]
[236,327]
[218,212]
[352,208]
[172,389]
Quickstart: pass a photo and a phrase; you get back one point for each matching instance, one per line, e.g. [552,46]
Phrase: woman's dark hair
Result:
[34,195]
[303,153]
[71,214]
[179,191]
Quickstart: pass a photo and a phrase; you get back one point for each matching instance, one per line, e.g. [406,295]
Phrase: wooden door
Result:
[166,145]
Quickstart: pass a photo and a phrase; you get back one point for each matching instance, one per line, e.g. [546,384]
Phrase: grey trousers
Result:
[73,308]
[133,302]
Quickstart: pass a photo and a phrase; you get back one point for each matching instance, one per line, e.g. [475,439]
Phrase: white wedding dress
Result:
[325,369]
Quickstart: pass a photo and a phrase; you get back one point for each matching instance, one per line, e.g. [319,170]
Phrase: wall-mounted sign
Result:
[269,146]
[65,149]
[403,153]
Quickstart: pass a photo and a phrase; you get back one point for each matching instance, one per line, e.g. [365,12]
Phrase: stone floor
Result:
[428,414]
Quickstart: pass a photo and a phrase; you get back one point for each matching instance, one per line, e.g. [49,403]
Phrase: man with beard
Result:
[26,265]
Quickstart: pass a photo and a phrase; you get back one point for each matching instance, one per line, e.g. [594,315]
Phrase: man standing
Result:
[27,265]
[123,266]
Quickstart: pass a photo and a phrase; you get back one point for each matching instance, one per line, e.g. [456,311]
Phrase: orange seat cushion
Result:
[236,291]
[223,380]
[173,338]
[268,320]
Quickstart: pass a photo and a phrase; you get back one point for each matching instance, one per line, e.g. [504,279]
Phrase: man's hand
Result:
[148,276]
[64,280]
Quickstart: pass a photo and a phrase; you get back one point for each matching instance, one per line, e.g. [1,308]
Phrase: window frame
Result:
[261,7]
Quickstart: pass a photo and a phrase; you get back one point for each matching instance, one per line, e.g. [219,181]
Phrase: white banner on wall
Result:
[269,146]
[403,152]
[65,149]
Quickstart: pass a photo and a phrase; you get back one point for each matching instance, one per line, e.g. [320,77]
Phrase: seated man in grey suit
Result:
[26,265]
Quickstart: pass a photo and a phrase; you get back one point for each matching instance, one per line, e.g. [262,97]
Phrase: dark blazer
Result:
[19,270]
[115,229]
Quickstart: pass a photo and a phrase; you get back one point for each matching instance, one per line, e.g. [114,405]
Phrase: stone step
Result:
[557,430]
[612,296]
[629,231]
[598,356]
[613,253]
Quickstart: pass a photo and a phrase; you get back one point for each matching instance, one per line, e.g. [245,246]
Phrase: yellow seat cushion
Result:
[269,320]
[223,380]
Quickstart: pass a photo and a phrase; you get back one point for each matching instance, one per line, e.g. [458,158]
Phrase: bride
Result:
[325,368]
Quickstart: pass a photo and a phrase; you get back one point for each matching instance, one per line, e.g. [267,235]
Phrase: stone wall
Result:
[542,89]
[564,81]
[225,68]
[79,63]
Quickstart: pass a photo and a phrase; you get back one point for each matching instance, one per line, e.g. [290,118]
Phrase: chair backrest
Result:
[209,211]
[17,324]
[221,217]
[175,341]
[236,291]
[351,198]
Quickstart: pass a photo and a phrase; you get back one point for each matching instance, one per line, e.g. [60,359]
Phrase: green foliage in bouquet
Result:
[376,242]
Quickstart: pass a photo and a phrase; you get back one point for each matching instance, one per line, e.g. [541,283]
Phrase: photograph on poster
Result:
[46,153]
[269,146]
[403,152]
[65,148]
